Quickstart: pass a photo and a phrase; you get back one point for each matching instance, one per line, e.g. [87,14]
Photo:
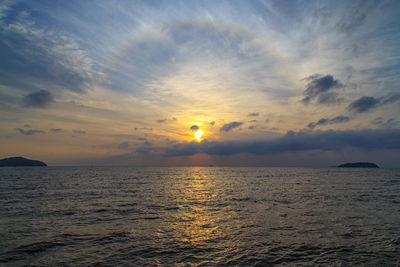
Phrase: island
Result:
[20,162]
[359,165]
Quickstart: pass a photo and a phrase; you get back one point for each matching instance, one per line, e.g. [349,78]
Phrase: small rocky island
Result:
[20,162]
[359,165]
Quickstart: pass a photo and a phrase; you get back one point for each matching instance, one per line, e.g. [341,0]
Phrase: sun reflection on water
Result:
[198,218]
[199,223]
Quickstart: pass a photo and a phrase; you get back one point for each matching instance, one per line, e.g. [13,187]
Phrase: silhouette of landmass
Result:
[20,161]
[359,165]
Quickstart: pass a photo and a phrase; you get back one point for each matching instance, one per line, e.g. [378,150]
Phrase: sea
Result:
[199,216]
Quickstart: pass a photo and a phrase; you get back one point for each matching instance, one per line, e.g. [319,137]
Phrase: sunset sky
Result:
[269,83]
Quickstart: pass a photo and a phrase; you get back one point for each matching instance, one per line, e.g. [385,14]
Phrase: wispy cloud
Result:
[194,128]
[39,99]
[43,55]
[367,103]
[320,87]
[324,121]
[364,104]
[230,126]
[123,145]
[29,132]
[79,132]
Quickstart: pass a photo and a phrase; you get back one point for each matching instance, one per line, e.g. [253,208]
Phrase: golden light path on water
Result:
[198,219]
[196,223]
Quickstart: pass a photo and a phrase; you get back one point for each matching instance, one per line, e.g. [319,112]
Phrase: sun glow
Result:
[198,135]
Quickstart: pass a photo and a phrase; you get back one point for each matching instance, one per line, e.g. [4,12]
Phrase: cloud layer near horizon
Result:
[295,141]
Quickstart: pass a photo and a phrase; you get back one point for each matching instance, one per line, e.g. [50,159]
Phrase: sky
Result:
[269,83]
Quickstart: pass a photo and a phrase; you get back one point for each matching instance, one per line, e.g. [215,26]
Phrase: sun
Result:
[198,134]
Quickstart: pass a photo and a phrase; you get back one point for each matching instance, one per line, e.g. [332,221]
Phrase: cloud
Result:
[42,55]
[340,119]
[39,99]
[212,123]
[170,48]
[367,103]
[390,99]
[123,145]
[324,121]
[194,128]
[29,132]
[161,121]
[230,126]
[78,132]
[363,104]
[296,141]
[143,128]
[319,86]
[56,130]
[356,15]
[252,127]
[27,126]
[254,114]
[389,123]
[146,148]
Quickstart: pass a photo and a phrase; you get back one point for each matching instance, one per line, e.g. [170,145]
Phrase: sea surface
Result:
[199,216]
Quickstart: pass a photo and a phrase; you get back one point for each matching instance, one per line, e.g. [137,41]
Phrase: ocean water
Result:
[199,216]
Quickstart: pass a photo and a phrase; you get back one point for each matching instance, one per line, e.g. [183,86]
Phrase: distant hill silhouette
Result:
[359,165]
[20,161]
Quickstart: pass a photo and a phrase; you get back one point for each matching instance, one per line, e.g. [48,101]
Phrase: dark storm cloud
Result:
[229,126]
[318,87]
[38,99]
[29,132]
[367,103]
[296,141]
[324,121]
[78,132]
[194,128]
[254,114]
[56,130]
